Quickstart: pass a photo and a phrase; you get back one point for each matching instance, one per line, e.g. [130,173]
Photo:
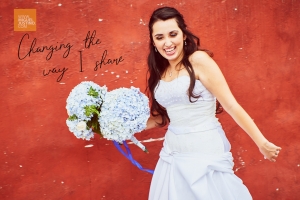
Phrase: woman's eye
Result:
[173,34]
[158,38]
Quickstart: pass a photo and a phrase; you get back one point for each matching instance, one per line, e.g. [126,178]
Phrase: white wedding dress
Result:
[195,161]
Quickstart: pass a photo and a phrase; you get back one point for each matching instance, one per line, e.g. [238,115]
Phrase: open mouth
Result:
[170,51]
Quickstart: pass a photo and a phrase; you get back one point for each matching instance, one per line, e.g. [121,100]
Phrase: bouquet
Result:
[83,107]
[124,112]
[115,115]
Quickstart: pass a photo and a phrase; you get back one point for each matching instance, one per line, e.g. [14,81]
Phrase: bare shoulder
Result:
[201,61]
[198,57]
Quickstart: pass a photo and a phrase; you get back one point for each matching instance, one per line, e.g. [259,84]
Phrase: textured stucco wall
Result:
[256,44]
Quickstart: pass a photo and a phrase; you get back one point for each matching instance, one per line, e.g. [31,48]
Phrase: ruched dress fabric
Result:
[195,162]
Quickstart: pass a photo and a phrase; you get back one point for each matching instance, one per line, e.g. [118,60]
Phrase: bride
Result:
[184,83]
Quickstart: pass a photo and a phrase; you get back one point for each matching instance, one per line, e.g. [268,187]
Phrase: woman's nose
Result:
[168,42]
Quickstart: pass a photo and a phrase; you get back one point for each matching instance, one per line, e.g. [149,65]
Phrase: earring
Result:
[155,49]
[184,42]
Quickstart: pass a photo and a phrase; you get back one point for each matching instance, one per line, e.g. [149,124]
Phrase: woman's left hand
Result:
[270,151]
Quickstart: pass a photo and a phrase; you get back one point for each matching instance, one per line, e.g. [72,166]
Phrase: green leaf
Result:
[93,92]
[91,110]
[73,117]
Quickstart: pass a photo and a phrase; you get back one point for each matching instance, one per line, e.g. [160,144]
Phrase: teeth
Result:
[169,50]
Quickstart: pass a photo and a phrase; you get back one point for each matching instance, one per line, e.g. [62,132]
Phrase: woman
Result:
[195,161]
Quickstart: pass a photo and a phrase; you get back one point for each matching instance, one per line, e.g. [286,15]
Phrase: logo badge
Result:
[24,19]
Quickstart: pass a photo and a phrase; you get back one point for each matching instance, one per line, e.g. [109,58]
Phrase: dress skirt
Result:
[196,166]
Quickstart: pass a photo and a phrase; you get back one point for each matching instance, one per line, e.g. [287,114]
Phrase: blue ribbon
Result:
[129,156]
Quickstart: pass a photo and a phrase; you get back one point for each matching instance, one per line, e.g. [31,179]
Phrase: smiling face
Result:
[169,40]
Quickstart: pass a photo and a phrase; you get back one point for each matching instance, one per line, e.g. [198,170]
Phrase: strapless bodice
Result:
[175,92]
[185,116]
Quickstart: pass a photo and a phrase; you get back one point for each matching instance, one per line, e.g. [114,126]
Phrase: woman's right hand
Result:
[152,122]
[270,151]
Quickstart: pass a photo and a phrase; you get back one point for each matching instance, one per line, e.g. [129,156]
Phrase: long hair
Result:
[157,64]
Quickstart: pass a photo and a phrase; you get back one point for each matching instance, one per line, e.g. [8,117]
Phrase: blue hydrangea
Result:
[83,101]
[124,112]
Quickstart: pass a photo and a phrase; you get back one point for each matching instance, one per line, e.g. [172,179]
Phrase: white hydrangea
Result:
[124,112]
[85,134]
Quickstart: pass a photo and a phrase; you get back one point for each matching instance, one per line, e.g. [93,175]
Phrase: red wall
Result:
[256,44]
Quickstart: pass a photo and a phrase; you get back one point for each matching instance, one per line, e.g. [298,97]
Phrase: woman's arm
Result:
[212,78]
